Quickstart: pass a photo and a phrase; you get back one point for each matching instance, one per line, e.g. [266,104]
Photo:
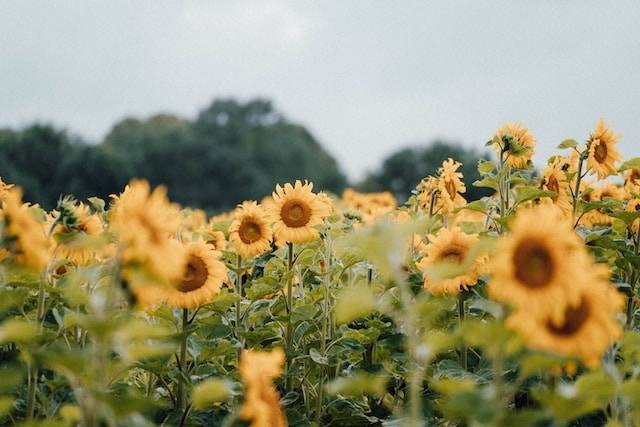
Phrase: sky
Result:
[365,77]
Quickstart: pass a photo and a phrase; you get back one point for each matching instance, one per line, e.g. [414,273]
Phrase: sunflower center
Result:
[195,275]
[600,153]
[574,319]
[534,265]
[451,189]
[295,213]
[635,176]
[454,255]
[249,231]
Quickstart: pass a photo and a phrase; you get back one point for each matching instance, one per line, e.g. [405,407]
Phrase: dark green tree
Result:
[403,170]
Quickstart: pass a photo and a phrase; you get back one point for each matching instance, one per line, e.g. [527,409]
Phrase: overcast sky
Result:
[366,77]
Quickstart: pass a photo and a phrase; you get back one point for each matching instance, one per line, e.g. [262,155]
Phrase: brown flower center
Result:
[295,213]
[249,231]
[453,254]
[195,275]
[534,266]
[634,176]
[600,153]
[574,319]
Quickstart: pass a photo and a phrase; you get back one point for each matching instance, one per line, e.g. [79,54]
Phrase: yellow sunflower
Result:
[554,179]
[215,239]
[537,265]
[202,276]
[450,186]
[26,236]
[4,189]
[258,369]
[586,328]
[144,222]
[77,249]
[250,231]
[602,151]
[632,181]
[522,136]
[597,217]
[451,246]
[295,212]
[427,191]
[633,205]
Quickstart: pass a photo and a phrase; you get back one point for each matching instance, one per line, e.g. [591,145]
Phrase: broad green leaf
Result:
[630,164]
[354,303]
[568,143]
[210,391]
[358,384]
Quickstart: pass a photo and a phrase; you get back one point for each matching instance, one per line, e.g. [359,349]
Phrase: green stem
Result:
[463,351]
[238,304]
[576,192]
[33,371]
[323,334]
[183,361]
[289,337]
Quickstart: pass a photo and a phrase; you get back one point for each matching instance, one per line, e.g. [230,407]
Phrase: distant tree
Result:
[404,169]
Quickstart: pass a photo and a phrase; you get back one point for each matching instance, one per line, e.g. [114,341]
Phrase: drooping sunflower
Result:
[428,194]
[538,263]
[215,239]
[554,179]
[258,369]
[295,212]
[250,231]
[451,246]
[201,279]
[521,136]
[25,235]
[602,151]
[586,328]
[144,222]
[450,185]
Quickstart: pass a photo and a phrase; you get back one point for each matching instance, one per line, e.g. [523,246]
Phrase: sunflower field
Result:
[311,309]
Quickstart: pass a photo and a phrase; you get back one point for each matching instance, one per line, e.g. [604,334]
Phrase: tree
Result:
[403,170]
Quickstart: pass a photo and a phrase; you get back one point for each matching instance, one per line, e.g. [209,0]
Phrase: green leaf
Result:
[17,331]
[357,385]
[354,303]
[486,182]
[485,166]
[524,194]
[630,164]
[212,390]
[568,143]
[318,358]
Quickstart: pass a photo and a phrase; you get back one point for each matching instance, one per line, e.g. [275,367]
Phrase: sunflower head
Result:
[250,231]
[554,179]
[515,143]
[538,262]
[451,248]
[602,151]
[295,212]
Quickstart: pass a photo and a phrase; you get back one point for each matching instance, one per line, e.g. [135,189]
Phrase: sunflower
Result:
[261,406]
[250,231]
[144,222]
[520,135]
[427,190]
[215,239]
[451,246]
[371,206]
[633,205]
[202,276]
[595,217]
[83,225]
[602,151]
[4,189]
[586,328]
[554,179]
[450,185]
[632,181]
[537,264]
[25,235]
[295,212]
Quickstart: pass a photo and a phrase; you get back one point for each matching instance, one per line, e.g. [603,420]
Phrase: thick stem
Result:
[323,334]
[463,350]
[289,337]
[183,361]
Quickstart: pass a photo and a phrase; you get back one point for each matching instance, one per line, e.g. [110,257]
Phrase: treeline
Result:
[232,151]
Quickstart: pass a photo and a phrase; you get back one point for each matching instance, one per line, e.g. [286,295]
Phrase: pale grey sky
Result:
[366,77]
